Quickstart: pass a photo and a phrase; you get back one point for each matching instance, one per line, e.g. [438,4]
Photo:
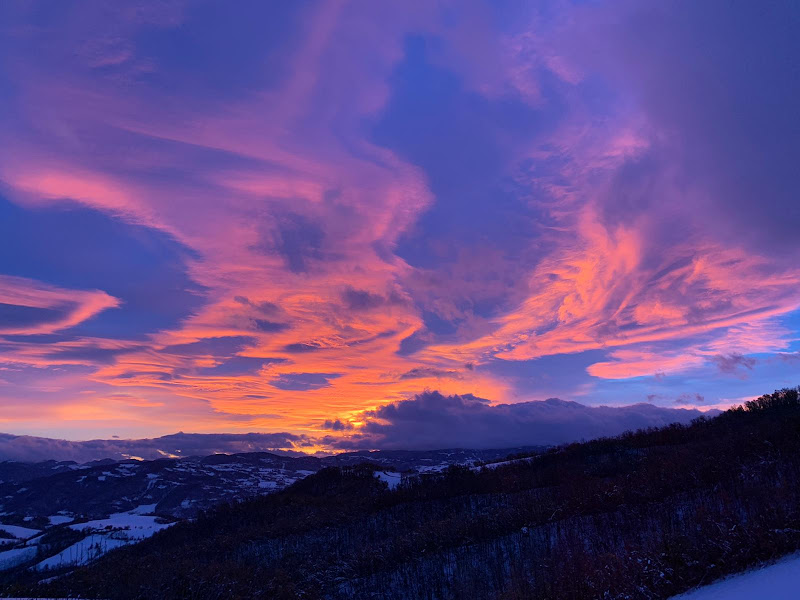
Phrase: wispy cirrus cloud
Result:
[29,307]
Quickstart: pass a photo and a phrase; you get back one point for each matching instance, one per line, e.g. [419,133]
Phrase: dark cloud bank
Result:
[431,420]
[428,421]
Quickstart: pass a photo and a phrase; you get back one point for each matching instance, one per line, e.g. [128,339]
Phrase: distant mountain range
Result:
[427,421]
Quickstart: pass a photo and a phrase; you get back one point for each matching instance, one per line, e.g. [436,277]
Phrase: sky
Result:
[302,217]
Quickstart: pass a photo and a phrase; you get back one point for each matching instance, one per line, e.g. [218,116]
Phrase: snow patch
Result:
[777,581]
[59,519]
[83,552]
[18,532]
[117,530]
[12,558]
[505,462]
[390,477]
[143,509]
[131,526]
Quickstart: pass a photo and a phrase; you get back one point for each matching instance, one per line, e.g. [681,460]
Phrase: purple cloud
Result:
[423,372]
[733,363]
[337,425]
[302,382]
[432,420]
[687,398]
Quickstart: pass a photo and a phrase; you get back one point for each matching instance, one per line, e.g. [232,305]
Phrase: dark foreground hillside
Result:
[645,515]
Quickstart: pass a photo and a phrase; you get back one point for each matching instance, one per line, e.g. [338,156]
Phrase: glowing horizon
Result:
[279,217]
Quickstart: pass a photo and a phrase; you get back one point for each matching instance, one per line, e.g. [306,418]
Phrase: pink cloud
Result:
[73,306]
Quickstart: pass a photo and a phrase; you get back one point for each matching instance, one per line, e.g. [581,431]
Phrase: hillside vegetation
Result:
[645,515]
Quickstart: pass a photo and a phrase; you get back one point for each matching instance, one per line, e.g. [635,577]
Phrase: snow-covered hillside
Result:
[61,514]
[778,581]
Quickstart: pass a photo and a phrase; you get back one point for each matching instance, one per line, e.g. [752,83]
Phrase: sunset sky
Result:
[274,216]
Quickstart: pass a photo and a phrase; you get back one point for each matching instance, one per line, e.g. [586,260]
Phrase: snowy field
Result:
[11,558]
[130,525]
[778,581]
[83,552]
[19,532]
[117,530]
